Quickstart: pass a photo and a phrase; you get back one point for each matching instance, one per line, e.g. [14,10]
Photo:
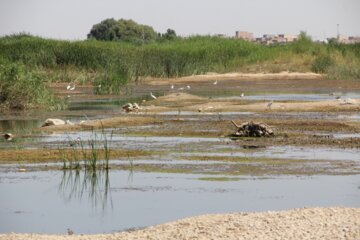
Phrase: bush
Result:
[21,89]
[322,64]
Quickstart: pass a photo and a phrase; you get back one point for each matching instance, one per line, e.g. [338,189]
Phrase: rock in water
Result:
[53,121]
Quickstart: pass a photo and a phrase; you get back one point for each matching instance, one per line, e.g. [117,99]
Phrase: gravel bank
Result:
[300,224]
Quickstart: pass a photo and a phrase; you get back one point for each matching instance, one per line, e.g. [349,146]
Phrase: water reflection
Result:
[19,125]
[92,185]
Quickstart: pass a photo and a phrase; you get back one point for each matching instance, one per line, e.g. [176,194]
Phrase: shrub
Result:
[21,89]
[321,64]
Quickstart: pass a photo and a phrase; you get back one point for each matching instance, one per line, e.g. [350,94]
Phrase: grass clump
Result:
[94,153]
[322,64]
[23,89]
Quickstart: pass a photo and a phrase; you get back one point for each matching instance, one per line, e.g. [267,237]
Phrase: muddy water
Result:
[41,202]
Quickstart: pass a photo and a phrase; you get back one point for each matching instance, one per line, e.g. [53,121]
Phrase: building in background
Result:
[267,39]
[348,40]
[247,36]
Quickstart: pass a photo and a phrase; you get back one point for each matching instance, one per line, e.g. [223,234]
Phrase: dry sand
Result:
[236,76]
[195,103]
[297,224]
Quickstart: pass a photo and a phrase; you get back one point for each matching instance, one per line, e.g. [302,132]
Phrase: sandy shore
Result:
[198,104]
[300,224]
[236,76]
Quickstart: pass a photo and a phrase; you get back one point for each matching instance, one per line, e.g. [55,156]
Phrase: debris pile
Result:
[8,136]
[251,129]
[131,107]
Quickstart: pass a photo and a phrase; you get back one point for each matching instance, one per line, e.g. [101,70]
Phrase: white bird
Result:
[188,87]
[349,101]
[269,104]
[242,95]
[68,87]
[215,82]
[172,87]
[152,95]
[72,88]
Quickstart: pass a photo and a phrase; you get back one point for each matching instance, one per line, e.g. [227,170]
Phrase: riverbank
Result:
[300,224]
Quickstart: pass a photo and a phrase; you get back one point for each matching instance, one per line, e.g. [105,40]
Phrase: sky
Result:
[73,19]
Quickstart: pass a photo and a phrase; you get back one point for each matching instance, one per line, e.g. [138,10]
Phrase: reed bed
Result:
[113,65]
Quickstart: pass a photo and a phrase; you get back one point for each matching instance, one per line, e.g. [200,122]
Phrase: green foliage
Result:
[113,64]
[112,81]
[170,35]
[322,63]
[122,30]
[304,44]
[22,89]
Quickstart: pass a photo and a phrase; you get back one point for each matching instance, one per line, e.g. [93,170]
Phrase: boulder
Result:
[53,121]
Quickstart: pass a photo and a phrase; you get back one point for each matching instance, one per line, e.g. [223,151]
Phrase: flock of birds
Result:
[188,87]
[70,88]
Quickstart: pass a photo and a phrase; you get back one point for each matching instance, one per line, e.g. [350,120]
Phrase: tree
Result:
[169,35]
[122,30]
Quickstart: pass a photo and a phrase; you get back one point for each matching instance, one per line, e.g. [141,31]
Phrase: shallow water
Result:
[51,202]
[288,152]
[36,201]
[298,97]
[19,125]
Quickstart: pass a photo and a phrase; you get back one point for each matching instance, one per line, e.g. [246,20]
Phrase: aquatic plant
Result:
[91,154]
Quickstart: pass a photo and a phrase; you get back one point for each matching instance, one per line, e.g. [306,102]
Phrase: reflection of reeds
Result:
[96,184]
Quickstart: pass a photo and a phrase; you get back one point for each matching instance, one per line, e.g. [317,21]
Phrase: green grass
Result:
[22,88]
[115,64]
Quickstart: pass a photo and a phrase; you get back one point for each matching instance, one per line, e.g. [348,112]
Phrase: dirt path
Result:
[301,224]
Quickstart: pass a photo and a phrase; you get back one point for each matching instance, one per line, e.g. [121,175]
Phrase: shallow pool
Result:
[51,202]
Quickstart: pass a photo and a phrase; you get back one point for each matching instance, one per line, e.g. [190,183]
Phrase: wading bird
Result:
[152,95]
[215,82]
[269,104]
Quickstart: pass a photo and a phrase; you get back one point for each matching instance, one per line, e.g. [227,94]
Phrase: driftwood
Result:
[251,129]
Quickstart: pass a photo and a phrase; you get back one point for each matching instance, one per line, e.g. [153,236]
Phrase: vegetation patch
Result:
[22,89]
[23,156]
